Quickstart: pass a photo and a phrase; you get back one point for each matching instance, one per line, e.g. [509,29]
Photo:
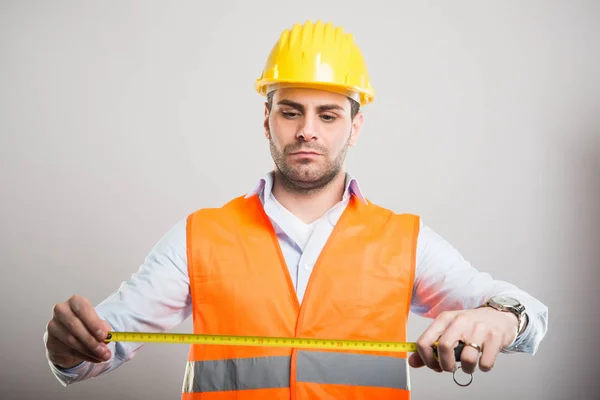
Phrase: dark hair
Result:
[354,105]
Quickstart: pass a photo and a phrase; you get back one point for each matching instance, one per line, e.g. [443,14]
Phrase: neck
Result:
[309,205]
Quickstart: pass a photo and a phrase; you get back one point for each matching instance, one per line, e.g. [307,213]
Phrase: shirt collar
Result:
[265,184]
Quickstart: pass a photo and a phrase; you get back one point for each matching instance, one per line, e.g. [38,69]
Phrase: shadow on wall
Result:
[579,247]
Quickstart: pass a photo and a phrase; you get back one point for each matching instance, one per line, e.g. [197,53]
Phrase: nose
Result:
[307,130]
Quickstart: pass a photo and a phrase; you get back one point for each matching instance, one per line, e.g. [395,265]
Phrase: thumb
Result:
[415,360]
[106,328]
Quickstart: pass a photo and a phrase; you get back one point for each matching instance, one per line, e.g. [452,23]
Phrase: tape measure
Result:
[187,338]
[309,343]
[268,341]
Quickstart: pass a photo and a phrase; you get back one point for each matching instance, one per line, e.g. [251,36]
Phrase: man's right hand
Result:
[76,333]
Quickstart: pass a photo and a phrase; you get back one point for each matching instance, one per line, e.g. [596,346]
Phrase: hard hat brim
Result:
[362,96]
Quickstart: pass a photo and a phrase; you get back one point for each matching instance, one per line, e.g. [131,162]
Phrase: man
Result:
[303,254]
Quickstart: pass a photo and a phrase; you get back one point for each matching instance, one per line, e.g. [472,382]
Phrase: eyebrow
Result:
[300,107]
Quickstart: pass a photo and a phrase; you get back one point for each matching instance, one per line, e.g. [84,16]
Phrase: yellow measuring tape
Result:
[308,343]
[187,338]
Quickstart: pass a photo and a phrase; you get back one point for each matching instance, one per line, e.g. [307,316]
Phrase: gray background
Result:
[118,118]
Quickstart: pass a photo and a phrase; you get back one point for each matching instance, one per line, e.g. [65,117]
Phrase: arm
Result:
[156,298]
[445,281]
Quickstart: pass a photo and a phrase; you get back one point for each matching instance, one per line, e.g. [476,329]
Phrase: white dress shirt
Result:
[157,297]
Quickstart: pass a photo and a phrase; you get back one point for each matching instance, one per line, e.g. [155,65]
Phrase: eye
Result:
[328,118]
[289,114]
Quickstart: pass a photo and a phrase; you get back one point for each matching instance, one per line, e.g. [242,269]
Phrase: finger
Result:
[491,349]
[84,357]
[415,361]
[58,350]
[84,310]
[72,326]
[430,336]
[62,342]
[470,355]
[93,349]
[449,341]
[107,328]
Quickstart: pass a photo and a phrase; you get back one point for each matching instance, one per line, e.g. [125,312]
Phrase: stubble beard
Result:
[306,181]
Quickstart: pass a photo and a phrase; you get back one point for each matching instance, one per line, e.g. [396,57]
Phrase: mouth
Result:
[305,153]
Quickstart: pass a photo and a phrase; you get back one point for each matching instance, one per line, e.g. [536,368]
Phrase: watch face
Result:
[506,301]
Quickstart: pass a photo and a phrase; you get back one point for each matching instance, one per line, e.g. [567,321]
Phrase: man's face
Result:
[309,132]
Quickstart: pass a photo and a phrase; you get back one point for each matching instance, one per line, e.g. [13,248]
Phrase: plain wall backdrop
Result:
[118,118]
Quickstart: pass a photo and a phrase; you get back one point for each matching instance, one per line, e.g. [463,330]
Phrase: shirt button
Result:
[307,267]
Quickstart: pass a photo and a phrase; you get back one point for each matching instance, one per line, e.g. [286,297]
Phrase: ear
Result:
[356,126]
[266,121]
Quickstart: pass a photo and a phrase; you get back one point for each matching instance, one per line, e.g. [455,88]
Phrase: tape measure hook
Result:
[457,382]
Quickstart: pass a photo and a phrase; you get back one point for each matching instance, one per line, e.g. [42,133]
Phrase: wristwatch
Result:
[509,304]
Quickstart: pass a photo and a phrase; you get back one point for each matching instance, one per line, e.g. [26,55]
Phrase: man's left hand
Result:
[486,327]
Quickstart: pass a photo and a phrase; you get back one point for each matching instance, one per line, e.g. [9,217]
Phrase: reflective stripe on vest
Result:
[311,367]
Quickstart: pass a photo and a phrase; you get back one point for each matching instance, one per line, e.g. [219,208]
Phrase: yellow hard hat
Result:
[318,56]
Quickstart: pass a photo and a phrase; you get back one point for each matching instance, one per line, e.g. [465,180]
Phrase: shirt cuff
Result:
[66,376]
[528,340]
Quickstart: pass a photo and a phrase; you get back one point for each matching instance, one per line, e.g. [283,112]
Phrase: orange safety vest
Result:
[360,289]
